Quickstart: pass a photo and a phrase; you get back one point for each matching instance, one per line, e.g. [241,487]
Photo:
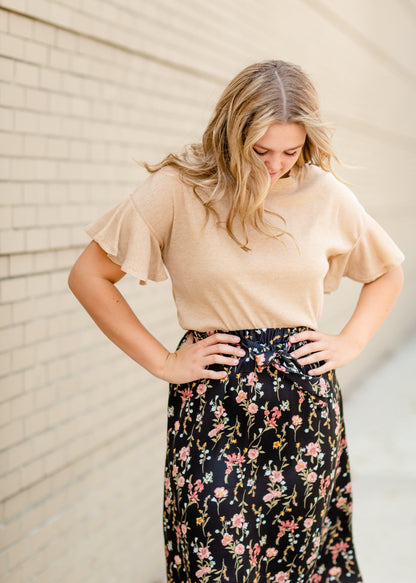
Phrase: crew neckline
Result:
[283,184]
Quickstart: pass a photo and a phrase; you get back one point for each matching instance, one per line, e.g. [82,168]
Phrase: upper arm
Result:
[94,262]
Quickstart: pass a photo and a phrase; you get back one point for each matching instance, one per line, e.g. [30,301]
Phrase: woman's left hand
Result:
[335,350]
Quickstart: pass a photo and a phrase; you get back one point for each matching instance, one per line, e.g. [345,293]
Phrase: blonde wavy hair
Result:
[224,162]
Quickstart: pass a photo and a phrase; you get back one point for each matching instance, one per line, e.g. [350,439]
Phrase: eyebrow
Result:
[287,149]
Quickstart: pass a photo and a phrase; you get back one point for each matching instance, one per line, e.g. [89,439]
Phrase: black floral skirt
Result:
[257,483]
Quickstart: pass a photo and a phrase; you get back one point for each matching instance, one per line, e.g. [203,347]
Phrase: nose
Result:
[274,163]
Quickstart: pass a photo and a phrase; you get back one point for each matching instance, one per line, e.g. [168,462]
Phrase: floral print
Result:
[257,483]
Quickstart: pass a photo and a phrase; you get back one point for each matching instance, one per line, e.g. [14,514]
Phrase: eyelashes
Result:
[286,153]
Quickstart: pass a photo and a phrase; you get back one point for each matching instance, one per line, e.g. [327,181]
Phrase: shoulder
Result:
[155,199]
[331,192]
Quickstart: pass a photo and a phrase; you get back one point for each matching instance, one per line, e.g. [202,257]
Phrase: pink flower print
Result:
[341,502]
[177,425]
[203,571]
[167,483]
[184,453]
[308,522]
[281,577]
[301,465]
[226,539]
[219,411]
[276,477]
[252,408]
[313,449]
[322,386]
[348,488]
[242,395]
[186,394]
[181,481]
[253,453]
[174,470]
[201,388]
[184,528]
[252,379]
[254,553]
[237,520]
[296,420]
[239,549]
[271,495]
[216,429]
[203,553]
[272,416]
[271,552]
[316,578]
[260,358]
[168,500]
[335,571]
[312,477]
[220,493]
[342,546]
[177,560]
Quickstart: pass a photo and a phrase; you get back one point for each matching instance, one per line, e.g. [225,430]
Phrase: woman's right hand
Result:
[188,363]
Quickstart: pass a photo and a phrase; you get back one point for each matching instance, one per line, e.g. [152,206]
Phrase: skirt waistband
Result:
[270,336]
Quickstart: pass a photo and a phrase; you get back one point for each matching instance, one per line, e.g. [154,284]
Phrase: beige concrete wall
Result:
[86,87]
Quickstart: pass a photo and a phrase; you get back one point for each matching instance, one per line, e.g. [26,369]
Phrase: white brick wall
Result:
[86,87]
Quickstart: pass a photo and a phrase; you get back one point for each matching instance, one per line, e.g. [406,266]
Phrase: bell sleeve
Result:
[135,231]
[364,257]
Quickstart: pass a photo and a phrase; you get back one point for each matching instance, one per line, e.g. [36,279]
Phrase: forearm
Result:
[375,302]
[113,315]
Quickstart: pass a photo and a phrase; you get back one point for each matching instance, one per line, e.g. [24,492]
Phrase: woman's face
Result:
[280,147]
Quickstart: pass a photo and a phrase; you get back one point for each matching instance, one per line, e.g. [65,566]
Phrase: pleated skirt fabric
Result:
[257,479]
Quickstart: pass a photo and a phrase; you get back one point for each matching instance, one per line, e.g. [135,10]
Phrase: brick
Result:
[31,473]
[44,33]
[34,193]
[6,218]
[23,216]
[34,145]
[50,79]
[6,69]
[11,337]
[44,261]
[38,285]
[50,125]
[57,148]
[36,52]
[23,358]
[12,241]
[35,377]
[35,331]
[36,239]
[11,433]
[6,119]
[22,406]
[11,385]
[27,74]
[10,144]
[5,365]
[5,315]
[36,423]
[36,99]
[21,264]
[59,104]
[60,237]
[11,94]
[11,46]
[59,59]
[10,484]
[26,121]
[13,289]
[67,40]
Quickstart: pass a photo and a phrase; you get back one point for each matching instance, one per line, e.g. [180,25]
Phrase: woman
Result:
[253,227]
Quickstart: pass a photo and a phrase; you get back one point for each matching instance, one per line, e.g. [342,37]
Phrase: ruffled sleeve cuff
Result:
[126,238]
